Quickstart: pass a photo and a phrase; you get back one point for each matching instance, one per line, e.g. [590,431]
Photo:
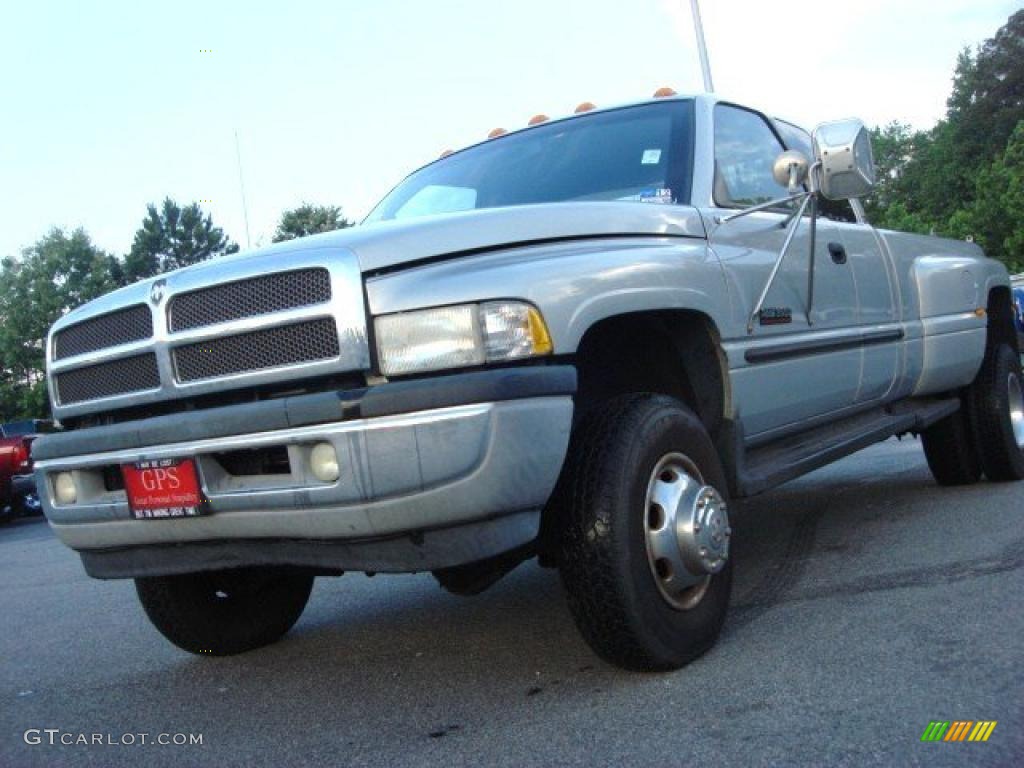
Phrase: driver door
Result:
[792,366]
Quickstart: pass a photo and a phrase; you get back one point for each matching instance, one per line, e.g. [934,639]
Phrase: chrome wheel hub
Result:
[1015,400]
[686,529]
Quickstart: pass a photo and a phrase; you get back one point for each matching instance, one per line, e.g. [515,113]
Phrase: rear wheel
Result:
[222,613]
[997,412]
[950,449]
[644,544]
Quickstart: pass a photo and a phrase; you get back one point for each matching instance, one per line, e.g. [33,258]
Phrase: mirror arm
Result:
[778,262]
[762,207]
[858,211]
[810,268]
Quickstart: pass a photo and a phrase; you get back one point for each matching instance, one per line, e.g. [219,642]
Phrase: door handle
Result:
[838,253]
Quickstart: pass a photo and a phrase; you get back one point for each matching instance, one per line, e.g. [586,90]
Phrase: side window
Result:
[745,150]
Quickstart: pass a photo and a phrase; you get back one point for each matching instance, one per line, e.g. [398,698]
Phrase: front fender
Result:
[574,284]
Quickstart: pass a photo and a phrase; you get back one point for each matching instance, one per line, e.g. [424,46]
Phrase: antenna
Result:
[702,47]
[241,186]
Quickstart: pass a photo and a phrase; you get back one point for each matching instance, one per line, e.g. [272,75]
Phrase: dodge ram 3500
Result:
[576,341]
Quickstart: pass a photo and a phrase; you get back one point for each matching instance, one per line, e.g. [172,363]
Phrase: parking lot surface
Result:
[868,602]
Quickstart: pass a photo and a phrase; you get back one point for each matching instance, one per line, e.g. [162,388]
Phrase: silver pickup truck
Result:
[577,341]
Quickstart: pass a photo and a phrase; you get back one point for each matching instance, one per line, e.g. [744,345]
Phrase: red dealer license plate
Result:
[163,489]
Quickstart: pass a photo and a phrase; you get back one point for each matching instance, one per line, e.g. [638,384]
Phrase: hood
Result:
[393,243]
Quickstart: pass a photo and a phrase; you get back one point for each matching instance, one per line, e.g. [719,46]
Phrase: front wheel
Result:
[222,613]
[644,551]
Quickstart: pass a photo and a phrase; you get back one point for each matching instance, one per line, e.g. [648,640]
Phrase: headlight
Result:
[459,336]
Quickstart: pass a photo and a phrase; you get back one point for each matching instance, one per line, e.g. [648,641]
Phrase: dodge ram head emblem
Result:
[156,292]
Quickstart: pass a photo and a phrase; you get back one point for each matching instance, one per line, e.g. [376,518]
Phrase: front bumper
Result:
[479,451]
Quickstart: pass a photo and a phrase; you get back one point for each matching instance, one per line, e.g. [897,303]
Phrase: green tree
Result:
[987,101]
[960,178]
[893,148]
[309,219]
[995,219]
[50,278]
[173,237]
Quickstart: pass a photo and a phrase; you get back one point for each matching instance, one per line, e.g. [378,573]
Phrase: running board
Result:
[772,464]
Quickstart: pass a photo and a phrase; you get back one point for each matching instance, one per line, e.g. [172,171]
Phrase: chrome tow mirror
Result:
[843,150]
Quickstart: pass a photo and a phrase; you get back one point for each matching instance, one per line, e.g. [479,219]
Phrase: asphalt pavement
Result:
[868,602]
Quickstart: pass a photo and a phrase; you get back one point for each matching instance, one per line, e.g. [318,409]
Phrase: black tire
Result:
[221,613]
[997,387]
[951,451]
[612,592]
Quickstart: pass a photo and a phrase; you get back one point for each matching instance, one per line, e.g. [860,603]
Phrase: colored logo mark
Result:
[958,730]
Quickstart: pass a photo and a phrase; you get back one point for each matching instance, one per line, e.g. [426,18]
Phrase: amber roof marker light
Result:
[664,92]
[538,119]
[586,106]
[495,133]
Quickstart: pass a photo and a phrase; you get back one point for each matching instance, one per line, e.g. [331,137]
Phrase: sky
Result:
[107,106]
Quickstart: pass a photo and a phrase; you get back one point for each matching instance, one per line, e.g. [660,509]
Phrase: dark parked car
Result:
[18,495]
[1018,305]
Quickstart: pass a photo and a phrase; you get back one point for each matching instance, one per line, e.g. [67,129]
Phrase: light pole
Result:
[702,47]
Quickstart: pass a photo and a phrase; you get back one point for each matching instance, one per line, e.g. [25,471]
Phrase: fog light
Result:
[323,460]
[64,488]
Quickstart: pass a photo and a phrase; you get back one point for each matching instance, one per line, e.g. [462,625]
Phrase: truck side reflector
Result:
[496,133]
[538,119]
[664,92]
[586,106]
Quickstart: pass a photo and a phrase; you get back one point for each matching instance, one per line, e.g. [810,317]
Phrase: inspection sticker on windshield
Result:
[662,196]
[651,157]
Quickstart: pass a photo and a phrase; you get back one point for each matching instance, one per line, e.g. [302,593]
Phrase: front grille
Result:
[248,298]
[121,327]
[118,377]
[258,350]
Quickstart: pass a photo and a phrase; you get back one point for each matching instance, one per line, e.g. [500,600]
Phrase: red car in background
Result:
[18,495]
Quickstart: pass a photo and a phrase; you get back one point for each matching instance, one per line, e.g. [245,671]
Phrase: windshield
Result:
[641,154]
